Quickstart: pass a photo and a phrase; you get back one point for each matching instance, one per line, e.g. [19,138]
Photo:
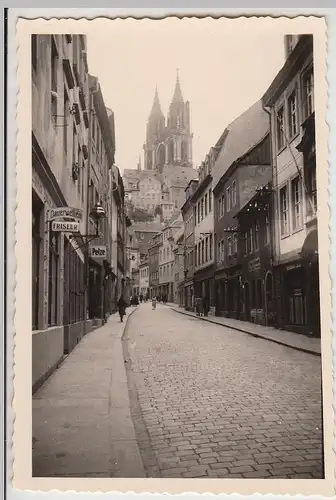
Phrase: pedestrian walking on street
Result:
[121,307]
[154,303]
[205,306]
[198,304]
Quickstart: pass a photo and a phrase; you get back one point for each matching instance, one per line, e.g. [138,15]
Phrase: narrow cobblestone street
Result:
[208,401]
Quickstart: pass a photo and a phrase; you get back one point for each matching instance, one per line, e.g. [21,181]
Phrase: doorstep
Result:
[286,338]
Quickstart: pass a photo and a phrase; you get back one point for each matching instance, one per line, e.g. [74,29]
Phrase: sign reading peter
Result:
[98,251]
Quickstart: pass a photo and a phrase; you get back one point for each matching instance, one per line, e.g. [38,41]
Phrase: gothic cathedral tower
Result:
[169,144]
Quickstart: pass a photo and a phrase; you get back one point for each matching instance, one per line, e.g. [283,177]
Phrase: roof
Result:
[149,227]
[242,135]
[177,97]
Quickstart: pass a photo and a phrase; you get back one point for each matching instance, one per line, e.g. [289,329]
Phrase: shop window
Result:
[36,252]
[259,301]
[297,307]
[53,279]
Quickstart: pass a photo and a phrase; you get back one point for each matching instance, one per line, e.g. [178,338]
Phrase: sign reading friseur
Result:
[65,226]
[97,251]
[65,212]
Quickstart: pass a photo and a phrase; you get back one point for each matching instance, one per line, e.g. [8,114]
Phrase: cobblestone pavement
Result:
[214,402]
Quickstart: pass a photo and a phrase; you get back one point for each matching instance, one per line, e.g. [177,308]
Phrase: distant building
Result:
[153,263]
[159,188]
[166,256]
[179,269]
[144,276]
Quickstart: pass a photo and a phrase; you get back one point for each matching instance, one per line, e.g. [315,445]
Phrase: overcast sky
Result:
[224,68]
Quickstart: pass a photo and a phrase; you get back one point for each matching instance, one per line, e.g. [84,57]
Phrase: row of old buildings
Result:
[79,224]
[246,236]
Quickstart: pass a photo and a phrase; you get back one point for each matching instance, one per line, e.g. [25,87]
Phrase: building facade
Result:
[179,269]
[101,159]
[242,165]
[255,257]
[290,102]
[60,96]
[189,244]
[153,264]
[166,257]
[202,201]
[144,276]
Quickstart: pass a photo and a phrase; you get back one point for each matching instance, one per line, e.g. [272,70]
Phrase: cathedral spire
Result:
[139,164]
[156,108]
[177,97]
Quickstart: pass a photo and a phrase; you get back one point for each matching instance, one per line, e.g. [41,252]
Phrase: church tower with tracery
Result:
[169,143]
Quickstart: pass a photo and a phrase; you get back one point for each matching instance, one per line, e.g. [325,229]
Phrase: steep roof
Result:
[156,110]
[241,136]
[177,97]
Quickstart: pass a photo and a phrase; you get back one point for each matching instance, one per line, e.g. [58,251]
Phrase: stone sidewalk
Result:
[296,341]
[82,424]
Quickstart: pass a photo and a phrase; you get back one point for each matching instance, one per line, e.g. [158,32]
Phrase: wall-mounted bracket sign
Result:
[69,213]
[65,226]
[97,251]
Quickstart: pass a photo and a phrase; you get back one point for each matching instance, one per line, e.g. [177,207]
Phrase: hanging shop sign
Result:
[75,214]
[97,251]
[65,226]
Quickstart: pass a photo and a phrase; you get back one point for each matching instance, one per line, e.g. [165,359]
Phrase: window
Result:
[202,262]
[296,203]
[256,235]
[199,254]
[284,210]
[280,128]
[34,55]
[54,67]
[235,244]
[65,121]
[229,240]
[206,204]
[292,115]
[202,209]
[210,247]
[228,199]
[210,201]
[53,279]
[250,240]
[74,146]
[198,213]
[246,247]
[267,235]
[196,255]
[219,259]
[312,187]
[206,249]
[234,193]
[308,93]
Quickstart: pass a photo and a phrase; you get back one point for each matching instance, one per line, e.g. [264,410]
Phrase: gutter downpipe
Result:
[92,90]
[274,203]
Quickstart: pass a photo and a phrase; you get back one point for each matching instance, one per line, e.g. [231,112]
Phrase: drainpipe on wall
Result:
[92,90]
[273,208]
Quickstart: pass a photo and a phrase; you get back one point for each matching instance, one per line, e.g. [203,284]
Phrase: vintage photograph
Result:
[176,281]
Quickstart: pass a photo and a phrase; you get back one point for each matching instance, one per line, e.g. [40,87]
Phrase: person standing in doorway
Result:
[121,307]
